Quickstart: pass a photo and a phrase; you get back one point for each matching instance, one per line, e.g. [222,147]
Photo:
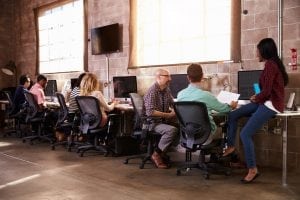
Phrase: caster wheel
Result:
[141,166]
[23,141]
[227,173]
[53,148]
[178,172]
[125,162]
[206,176]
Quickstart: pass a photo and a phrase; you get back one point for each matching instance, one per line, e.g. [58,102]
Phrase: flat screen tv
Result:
[178,82]
[246,79]
[105,39]
[123,85]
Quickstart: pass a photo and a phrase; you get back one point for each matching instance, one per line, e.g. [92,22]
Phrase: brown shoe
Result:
[156,158]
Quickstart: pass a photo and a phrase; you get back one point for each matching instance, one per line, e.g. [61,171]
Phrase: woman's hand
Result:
[253,98]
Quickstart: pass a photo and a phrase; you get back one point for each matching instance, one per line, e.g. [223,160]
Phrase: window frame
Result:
[235,37]
[85,32]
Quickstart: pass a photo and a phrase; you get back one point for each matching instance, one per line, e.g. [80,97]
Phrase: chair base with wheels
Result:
[146,157]
[216,163]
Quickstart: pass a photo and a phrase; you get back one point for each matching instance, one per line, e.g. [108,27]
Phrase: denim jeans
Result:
[258,114]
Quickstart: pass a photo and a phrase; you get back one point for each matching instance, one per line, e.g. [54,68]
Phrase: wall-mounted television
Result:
[105,39]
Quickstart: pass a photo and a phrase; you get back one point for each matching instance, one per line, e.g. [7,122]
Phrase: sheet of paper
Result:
[227,97]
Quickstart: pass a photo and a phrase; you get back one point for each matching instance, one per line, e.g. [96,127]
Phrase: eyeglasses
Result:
[165,75]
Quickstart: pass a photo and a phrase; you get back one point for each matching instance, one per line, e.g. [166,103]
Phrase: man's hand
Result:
[233,105]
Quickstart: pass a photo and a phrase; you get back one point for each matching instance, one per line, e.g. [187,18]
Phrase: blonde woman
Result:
[89,86]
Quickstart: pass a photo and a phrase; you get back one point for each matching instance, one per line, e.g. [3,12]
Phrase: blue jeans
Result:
[258,114]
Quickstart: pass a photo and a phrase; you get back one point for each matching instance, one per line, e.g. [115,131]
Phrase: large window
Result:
[175,31]
[61,37]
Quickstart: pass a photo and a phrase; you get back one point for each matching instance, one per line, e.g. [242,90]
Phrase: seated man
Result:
[158,101]
[19,98]
[38,90]
[194,93]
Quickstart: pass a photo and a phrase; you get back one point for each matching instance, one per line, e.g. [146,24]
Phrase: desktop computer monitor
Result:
[123,85]
[246,79]
[178,82]
[73,82]
[51,88]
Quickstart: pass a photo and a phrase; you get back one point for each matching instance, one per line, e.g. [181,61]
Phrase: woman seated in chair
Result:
[89,86]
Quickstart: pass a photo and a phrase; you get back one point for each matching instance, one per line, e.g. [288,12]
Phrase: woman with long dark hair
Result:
[263,106]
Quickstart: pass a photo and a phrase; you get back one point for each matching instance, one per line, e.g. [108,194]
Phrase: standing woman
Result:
[89,86]
[263,106]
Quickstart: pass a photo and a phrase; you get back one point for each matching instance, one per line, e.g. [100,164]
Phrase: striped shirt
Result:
[72,102]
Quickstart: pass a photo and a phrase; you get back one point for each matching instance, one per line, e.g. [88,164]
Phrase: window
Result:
[61,37]
[175,31]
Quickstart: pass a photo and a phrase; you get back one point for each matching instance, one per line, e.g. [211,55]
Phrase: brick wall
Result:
[18,42]
[6,36]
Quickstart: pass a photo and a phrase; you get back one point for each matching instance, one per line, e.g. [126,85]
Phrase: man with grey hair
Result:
[158,102]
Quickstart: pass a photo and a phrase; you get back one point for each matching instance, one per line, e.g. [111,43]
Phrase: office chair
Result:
[99,138]
[65,123]
[142,131]
[13,115]
[195,129]
[35,116]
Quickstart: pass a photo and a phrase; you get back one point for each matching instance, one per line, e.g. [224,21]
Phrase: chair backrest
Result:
[194,122]
[138,103]
[11,106]
[90,112]
[63,109]
[33,107]
[138,106]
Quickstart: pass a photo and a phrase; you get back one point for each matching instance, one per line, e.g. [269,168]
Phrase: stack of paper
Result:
[227,97]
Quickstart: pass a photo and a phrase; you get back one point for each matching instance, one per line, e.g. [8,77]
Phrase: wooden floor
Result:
[36,172]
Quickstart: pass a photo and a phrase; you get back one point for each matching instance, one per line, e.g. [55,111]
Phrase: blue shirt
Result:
[194,93]
[19,98]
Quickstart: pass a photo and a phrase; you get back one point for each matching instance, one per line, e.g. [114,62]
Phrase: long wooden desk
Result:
[285,116]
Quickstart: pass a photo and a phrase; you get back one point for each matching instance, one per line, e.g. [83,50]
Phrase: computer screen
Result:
[51,88]
[246,79]
[73,82]
[123,85]
[178,82]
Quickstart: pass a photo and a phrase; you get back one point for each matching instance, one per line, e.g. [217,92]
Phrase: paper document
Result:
[227,97]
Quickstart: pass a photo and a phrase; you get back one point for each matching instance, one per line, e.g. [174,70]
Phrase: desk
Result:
[4,103]
[284,141]
[126,111]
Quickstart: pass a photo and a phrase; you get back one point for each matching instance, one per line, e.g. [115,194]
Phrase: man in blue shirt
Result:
[194,93]
[19,98]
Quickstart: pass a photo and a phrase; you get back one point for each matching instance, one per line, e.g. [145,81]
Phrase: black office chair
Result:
[36,117]
[142,131]
[99,138]
[65,123]
[195,129]
[14,115]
